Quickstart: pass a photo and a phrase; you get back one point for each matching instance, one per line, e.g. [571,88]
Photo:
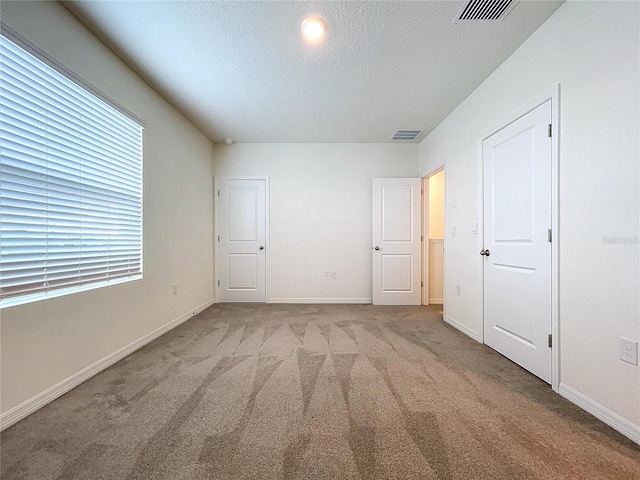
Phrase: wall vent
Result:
[406,134]
[484,11]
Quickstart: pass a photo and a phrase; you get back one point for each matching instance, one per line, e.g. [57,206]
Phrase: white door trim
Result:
[425,239]
[554,96]
[216,244]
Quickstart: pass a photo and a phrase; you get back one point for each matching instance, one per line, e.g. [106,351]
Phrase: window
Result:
[70,181]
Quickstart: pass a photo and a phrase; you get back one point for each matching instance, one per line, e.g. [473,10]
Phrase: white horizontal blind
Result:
[70,184]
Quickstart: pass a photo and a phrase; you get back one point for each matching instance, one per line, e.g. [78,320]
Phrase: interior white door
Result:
[517,248]
[242,240]
[396,241]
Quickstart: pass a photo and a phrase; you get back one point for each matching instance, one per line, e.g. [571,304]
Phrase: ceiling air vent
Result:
[484,11]
[404,134]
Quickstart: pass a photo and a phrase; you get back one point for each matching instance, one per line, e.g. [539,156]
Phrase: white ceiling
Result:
[240,69]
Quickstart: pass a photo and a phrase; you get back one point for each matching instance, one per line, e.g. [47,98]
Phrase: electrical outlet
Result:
[333,275]
[629,351]
[453,230]
[474,228]
[174,288]
[458,290]
[327,275]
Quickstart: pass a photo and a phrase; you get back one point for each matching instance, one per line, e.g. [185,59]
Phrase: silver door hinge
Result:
[218,282]
[422,284]
[549,340]
[549,132]
[422,238]
[421,192]
[549,237]
[218,237]
[218,192]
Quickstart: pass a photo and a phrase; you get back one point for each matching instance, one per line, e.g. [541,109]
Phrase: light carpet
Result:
[246,391]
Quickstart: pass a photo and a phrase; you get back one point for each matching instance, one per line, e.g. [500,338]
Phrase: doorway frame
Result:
[552,95]
[425,237]
[216,233]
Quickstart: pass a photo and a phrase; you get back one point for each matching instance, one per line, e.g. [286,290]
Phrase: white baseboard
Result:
[463,328]
[27,407]
[320,300]
[612,419]
[436,301]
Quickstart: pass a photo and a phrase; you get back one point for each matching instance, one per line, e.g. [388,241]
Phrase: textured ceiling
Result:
[240,69]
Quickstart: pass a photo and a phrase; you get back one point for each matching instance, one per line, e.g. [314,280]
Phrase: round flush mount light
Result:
[313,29]
[229,141]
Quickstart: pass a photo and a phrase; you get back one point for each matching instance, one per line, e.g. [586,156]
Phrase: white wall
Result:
[46,342]
[592,50]
[436,271]
[320,212]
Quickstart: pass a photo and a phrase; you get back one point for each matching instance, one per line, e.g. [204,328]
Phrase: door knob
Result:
[261,247]
[376,248]
[486,253]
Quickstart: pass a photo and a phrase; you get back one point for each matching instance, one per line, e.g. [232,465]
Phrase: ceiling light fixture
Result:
[313,29]
[229,141]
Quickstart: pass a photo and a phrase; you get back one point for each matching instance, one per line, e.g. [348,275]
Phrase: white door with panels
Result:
[396,241]
[242,235]
[517,234]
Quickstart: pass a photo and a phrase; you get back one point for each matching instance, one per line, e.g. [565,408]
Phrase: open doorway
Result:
[433,238]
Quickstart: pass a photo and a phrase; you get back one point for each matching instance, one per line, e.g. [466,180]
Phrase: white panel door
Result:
[517,251]
[396,241]
[242,241]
